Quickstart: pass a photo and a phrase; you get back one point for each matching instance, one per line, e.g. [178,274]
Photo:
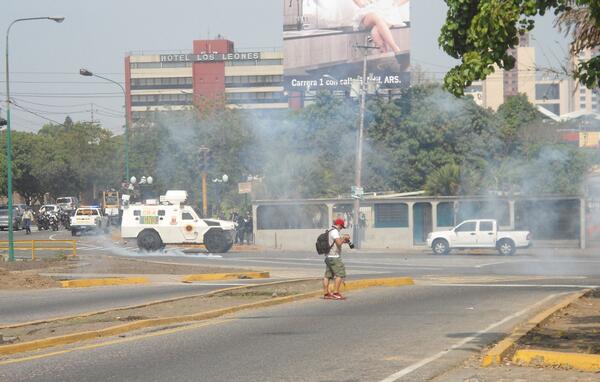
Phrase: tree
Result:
[481,32]
[516,114]
[444,180]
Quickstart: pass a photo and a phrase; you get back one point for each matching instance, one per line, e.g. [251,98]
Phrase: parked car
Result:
[478,234]
[68,203]
[17,217]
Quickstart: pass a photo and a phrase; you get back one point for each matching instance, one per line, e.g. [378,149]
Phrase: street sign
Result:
[357,192]
[245,187]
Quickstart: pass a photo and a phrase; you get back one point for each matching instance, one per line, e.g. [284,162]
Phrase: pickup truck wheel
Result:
[216,242]
[149,240]
[440,247]
[506,247]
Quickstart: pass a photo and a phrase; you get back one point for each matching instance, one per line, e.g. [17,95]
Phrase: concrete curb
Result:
[224,276]
[498,352]
[584,362]
[85,283]
[142,324]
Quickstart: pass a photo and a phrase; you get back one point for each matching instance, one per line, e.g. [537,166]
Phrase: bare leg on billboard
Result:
[380,29]
[378,40]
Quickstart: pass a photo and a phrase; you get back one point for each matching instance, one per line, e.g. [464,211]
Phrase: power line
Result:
[48,105]
[36,114]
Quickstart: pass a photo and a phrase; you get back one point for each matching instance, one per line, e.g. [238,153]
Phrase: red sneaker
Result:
[328,296]
[337,296]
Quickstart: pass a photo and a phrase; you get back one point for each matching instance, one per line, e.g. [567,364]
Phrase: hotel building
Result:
[213,71]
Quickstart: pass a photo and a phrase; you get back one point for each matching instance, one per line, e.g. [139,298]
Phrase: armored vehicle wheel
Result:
[217,241]
[149,240]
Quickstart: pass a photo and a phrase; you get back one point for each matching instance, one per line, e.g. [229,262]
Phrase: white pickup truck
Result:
[478,234]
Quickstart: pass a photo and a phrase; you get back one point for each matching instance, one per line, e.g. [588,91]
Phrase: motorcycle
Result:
[65,219]
[53,222]
[42,222]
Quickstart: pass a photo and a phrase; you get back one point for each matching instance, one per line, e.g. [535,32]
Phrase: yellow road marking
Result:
[113,342]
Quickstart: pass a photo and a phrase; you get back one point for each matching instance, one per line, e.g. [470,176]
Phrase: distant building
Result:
[212,71]
[585,99]
[553,94]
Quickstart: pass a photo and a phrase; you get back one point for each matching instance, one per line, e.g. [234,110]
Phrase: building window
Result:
[253,81]
[552,107]
[391,215]
[582,106]
[161,83]
[445,214]
[547,91]
[303,216]
[255,62]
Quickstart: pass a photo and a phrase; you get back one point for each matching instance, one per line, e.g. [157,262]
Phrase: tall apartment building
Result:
[586,99]
[214,70]
[554,94]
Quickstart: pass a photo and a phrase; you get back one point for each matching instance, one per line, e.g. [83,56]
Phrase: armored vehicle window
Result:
[137,213]
[161,212]
[186,216]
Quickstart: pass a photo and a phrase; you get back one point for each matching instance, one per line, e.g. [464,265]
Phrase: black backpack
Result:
[322,244]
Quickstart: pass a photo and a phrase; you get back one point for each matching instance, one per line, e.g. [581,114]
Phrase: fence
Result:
[41,245]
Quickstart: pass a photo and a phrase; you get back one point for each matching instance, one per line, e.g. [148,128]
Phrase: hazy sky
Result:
[45,57]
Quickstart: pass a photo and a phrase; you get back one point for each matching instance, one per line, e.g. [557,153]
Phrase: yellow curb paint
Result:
[584,362]
[142,324]
[84,283]
[498,352]
[389,282]
[225,276]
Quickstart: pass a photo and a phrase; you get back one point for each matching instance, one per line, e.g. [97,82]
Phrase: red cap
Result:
[340,222]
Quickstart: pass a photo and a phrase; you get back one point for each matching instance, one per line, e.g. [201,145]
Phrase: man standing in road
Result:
[334,267]
[27,219]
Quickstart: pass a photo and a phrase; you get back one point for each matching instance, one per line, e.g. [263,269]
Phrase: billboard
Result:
[327,44]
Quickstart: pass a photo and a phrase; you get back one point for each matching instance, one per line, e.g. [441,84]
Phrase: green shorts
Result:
[334,267]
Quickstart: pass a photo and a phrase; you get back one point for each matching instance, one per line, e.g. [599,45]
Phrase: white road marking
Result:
[488,264]
[415,366]
[52,236]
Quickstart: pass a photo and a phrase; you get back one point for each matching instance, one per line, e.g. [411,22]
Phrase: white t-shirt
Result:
[334,234]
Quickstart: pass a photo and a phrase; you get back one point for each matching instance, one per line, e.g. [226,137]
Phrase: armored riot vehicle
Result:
[156,223]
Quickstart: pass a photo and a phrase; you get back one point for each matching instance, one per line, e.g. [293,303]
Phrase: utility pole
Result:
[204,153]
[359,143]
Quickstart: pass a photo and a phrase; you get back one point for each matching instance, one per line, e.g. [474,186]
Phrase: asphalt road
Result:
[32,305]
[539,267]
[385,334]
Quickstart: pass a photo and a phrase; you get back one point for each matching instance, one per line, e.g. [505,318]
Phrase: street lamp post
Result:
[11,247]
[87,73]
[220,181]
